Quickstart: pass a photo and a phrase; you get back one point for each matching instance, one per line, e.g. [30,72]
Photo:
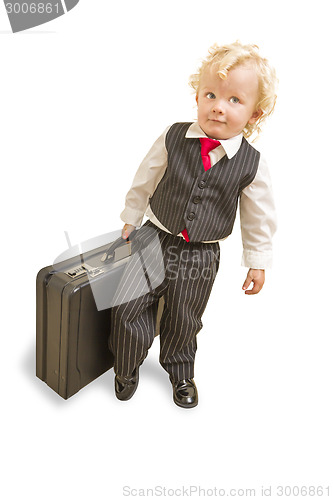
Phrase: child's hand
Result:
[257,276]
[127,229]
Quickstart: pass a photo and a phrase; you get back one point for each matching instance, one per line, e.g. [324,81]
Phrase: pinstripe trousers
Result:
[185,280]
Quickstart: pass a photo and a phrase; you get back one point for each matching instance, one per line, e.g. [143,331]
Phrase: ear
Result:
[256,115]
[196,98]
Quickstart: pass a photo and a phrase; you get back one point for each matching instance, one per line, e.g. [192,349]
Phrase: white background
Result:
[78,94]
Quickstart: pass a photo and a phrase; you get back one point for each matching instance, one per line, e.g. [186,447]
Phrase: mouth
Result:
[217,121]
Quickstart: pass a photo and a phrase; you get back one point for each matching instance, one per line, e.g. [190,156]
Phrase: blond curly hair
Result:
[229,56]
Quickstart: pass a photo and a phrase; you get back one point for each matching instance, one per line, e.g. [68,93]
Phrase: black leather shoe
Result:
[185,393]
[125,387]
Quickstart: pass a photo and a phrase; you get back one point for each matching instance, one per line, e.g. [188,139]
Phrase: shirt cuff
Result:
[257,260]
[131,216]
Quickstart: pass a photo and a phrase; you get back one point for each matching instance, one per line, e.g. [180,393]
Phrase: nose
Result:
[219,107]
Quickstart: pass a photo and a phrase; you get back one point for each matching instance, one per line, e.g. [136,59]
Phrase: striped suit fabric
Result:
[186,281]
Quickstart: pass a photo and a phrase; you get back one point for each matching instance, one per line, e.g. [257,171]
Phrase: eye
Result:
[210,95]
[234,99]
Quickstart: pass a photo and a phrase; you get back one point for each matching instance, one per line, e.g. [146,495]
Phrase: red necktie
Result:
[207,145]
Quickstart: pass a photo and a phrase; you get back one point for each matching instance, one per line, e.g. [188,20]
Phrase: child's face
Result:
[225,107]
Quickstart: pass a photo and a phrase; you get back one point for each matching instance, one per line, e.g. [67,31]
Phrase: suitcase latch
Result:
[75,272]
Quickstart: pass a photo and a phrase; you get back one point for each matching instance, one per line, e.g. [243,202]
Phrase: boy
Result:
[189,185]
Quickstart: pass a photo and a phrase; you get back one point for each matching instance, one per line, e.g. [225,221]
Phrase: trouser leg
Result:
[133,318]
[132,333]
[191,271]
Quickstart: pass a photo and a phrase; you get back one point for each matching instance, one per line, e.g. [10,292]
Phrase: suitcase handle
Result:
[110,253]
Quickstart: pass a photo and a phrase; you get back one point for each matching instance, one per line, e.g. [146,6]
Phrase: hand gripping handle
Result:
[110,253]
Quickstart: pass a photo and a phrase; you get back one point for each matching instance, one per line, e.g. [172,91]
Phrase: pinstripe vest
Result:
[205,202]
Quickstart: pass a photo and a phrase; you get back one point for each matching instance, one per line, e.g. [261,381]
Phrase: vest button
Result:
[201,184]
[191,216]
[197,199]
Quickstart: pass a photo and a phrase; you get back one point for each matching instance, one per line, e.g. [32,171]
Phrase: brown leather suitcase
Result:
[72,328]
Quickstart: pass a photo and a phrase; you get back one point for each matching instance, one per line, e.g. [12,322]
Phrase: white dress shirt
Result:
[257,211]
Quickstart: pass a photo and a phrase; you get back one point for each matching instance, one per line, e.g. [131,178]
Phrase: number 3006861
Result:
[32,8]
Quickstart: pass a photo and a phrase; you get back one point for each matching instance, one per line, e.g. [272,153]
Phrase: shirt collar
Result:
[230,146]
